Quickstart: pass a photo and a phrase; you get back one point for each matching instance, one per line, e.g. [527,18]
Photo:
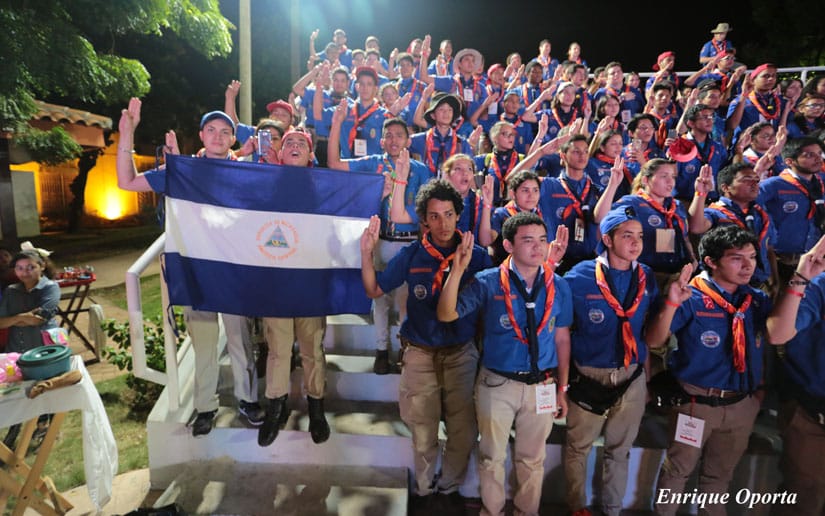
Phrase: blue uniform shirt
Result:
[458,85]
[506,161]
[553,202]
[596,338]
[441,150]
[712,153]
[788,208]
[751,115]
[804,360]
[717,217]
[369,130]
[416,267]
[653,220]
[418,176]
[502,350]
[705,357]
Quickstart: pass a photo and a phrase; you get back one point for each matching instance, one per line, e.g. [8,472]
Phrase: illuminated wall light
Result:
[112,208]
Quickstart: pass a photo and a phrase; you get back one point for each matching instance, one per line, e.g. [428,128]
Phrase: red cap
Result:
[493,68]
[280,104]
[761,68]
[682,150]
[366,70]
[662,57]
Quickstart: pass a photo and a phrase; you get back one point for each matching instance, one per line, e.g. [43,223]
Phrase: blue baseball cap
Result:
[613,219]
[217,115]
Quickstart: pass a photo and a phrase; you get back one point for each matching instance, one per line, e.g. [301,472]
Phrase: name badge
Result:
[493,108]
[665,240]
[689,430]
[545,398]
[360,147]
[468,95]
[578,230]
[626,116]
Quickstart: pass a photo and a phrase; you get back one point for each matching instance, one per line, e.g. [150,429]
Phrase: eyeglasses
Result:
[704,117]
[810,155]
[815,106]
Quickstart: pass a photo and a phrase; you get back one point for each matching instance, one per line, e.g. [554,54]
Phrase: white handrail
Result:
[133,303]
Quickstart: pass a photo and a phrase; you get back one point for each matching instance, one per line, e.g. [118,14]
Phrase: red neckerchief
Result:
[700,152]
[516,122]
[576,205]
[512,208]
[444,263]
[359,120]
[667,117]
[502,176]
[525,93]
[738,324]
[669,213]
[229,155]
[555,113]
[764,109]
[790,178]
[544,61]
[601,156]
[626,89]
[442,69]
[630,346]
[430,148]
[459,84]
[415,84]
[550,286]
[727,212]
[719,47]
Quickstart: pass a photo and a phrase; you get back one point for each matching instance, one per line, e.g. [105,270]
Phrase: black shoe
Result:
[318,426]
[420,505]
[274,418]
[448,503]
[203,423]
[382,362]
[252,411]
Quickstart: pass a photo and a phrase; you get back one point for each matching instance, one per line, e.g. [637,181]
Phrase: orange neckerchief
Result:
[738,324]
[549,285]
[502,176]
[430,147]
[630,347]
[721,207]
[669,213]
[444,263]
[790,178]
[764,109]
[576,205]
[359,120]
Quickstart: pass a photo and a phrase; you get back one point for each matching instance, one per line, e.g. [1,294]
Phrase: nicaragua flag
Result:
[265,240]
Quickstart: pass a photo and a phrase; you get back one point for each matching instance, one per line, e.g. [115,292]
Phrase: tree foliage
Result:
[791,32]
[67,50]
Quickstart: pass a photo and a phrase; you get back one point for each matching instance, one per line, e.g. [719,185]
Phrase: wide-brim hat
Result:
[682,150]
[473,52]
[440,98]
[722,27]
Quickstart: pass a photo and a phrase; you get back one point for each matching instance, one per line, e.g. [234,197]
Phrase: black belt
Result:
[548,375]
[433,350]
[400,236]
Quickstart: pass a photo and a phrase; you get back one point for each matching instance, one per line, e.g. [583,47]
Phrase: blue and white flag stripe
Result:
[262,240]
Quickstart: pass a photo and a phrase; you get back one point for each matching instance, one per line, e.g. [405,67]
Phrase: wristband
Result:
[796,273]
[565,388]
[794,293]
[488,206]
[396,181]
[700,194]
[668,302]
[798,283]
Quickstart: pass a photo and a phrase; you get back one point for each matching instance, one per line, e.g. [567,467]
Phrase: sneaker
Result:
[382,362]
[252,411]
[203,423]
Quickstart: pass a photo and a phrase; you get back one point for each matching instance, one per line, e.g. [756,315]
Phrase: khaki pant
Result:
[801,462]
[499,402]
[382,305]
[280,334]
[241,356]
[620,425]
[432,383]
[724,440]
[203,329]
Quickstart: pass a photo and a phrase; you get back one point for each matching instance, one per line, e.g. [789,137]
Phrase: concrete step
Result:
[223,486]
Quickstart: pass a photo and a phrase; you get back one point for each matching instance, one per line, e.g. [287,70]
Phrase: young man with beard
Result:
[526,311]
[217,132]
[440,359]
[611,298]
[392,237]
[793,199]
[717,319]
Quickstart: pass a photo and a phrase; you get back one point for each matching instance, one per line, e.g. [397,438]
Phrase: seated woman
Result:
[29,306]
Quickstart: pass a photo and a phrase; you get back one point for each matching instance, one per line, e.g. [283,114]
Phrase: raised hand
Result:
[130,117]
[704,181]
[464,252]
[475,136]
[679,291]
[402,165]
[370,235]
[557,248]
[488,189]
[617,171]
[232,90]
[171,146]
[340,113]
[812,263]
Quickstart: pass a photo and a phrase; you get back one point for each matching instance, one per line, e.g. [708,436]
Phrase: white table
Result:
[99,448]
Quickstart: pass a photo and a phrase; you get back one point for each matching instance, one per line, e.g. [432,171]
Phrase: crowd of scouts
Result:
[558,242]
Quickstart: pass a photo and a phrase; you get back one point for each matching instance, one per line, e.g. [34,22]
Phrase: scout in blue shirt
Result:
[611,298]
[739,187]
[526,311]
[439,142]
[797,321]
[392,236]
[717,319]
[708,151]
[758,102]
[524,189]
[440,359]
[501,161]
[717,44]
[407,83]
[792,199]
[633,102]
